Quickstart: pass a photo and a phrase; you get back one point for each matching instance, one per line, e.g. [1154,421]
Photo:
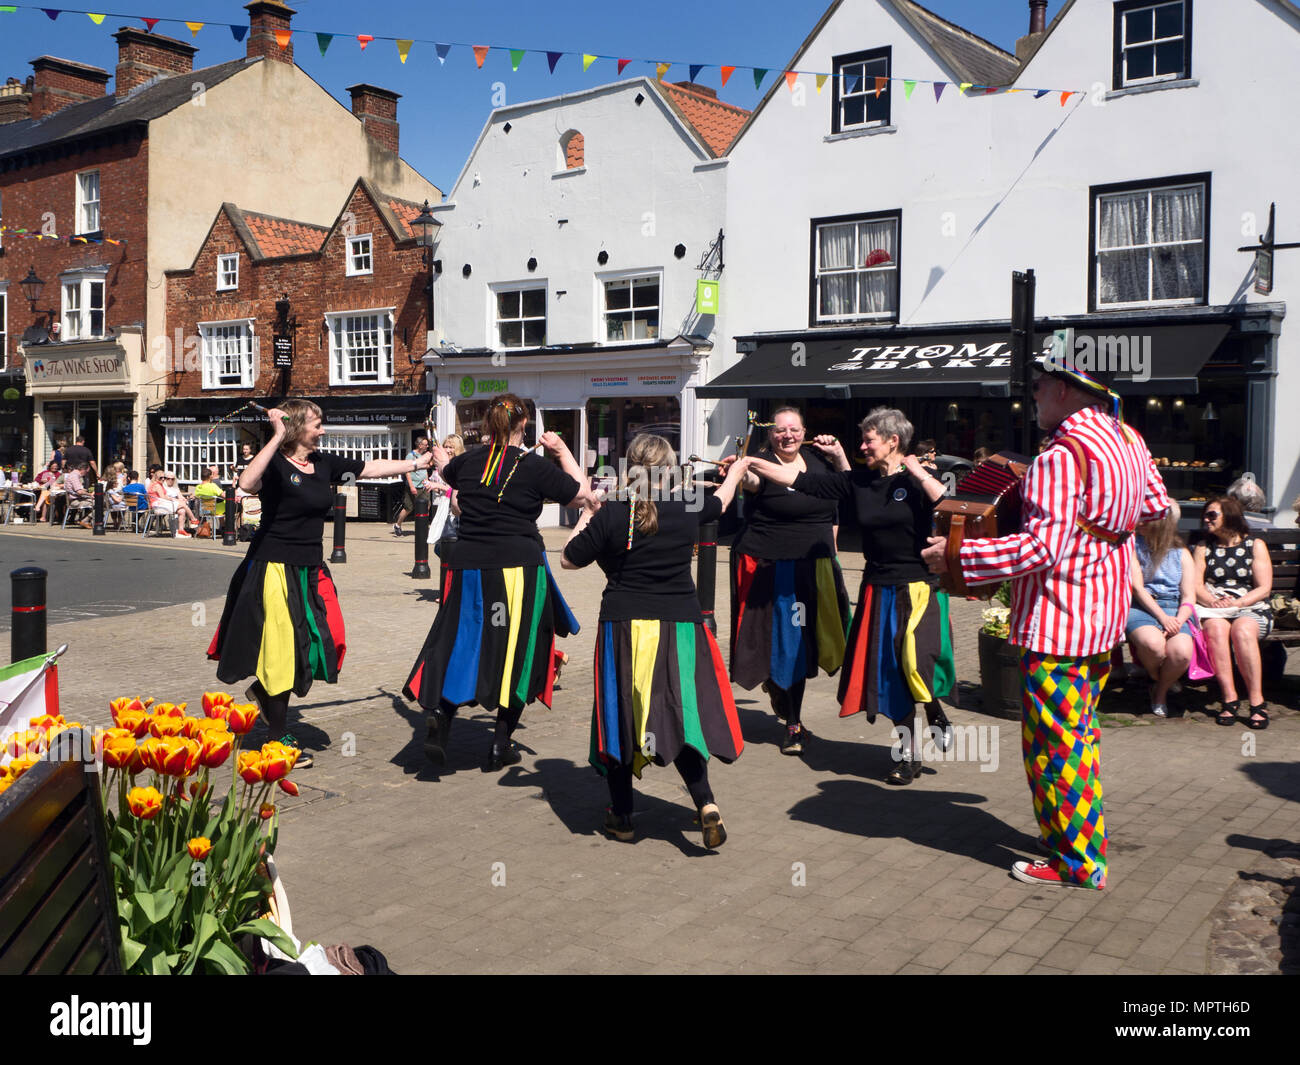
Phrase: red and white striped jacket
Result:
[1070,589]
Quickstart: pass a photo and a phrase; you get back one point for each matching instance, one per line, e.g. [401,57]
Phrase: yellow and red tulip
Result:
[267,811]
[215,746]
[288,786]
[250,767]
[241,717]
[215,703]
[277,760]
[199,847]
[145,803]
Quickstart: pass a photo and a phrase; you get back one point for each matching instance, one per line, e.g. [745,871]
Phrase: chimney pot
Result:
[1037,16]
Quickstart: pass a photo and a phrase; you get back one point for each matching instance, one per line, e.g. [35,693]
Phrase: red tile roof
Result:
[283,236]
[406,212]
[716,122]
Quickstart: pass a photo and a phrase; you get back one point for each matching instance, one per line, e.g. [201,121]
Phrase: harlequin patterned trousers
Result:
[1061,741]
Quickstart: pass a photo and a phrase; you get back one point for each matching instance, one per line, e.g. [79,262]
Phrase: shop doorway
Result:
[567,423]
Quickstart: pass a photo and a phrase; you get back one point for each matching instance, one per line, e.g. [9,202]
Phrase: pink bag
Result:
[1201,667]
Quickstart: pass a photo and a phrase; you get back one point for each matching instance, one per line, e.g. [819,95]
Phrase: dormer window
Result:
[360,259]
[1153,42]
[227,272]
[861,96]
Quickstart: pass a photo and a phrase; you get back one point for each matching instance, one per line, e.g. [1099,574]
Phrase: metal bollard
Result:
[339,554]
[27,637]
[228,535]
[421,570]
[706,573]
[97,529]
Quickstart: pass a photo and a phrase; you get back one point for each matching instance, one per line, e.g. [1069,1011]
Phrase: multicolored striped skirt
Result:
[282,624]
[899,651]
[493,641]
[788,617]
[660,687]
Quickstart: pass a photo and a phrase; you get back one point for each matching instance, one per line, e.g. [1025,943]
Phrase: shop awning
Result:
[1148,359]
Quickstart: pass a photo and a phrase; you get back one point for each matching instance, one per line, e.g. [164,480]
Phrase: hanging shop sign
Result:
[706,296]
[282,352]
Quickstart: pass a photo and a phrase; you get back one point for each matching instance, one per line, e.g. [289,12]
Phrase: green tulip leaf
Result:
[131,951]
[155,906]
[225,959]
[267,929]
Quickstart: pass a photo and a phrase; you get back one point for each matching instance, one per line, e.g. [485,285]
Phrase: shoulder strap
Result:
[1075,448]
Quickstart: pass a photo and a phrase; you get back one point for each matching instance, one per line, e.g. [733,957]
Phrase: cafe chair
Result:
[129,508]
[13,499]
[85,507]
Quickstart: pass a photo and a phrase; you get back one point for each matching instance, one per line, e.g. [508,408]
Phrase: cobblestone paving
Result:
[826,869]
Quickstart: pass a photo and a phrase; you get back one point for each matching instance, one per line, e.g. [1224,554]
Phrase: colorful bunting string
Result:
[363,39]
[404,49]
[323,41]
[26,234]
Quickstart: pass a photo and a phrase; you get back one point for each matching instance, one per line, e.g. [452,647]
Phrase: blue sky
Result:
[444,106]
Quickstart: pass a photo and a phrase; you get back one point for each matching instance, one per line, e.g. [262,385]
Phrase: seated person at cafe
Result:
[134,484]
[208,488]
[1163,580]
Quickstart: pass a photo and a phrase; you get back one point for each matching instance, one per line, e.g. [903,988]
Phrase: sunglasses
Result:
[1211,515]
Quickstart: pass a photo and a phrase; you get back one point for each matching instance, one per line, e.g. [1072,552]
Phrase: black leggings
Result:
[275,708]
[507,721]
[690,764]
[793,700]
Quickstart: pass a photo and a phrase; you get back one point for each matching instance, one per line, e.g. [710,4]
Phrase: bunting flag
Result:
[98,20]
[622,65]
[695,71]
[283,37]
[552,58]
[516,57]
[323,41]
[759,74]
[442,50]
[791,76]
[480,54]
[661,69]
[404,49]
[52,12]
[587,60]
[880,86]
[989,90]
[821,80]
[149,23]
[1040,93]
[908,86]
[238,32]
[963,87]
[939,86]
[852,86]
[194,27]
[363,39]
[1065,96]
[726,73]
[11,10]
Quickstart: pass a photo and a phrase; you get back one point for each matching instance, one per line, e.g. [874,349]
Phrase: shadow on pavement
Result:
[1277,778]
[471,736]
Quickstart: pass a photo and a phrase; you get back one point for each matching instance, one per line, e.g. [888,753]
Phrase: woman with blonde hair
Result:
[662,693]
[281,624]
[1159,628]
[493,640]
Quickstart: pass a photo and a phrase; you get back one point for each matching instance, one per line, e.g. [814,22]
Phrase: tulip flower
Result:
[47,721]
[145,803]
[267,811]
[288,786]
[26,741]
[199,847]
[250,766]
[166,725]
[277,760]
[19,765]
[215,746]
[168,710]
[118,746]
[241,717]
[198,789]
[215,703]
[126,703]
[135,720]
[171,756]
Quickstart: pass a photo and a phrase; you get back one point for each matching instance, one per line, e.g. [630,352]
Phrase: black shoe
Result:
[792,741]
[618,827]
[501,756]
[904,773]
[940,726]
[779,699]
[715,833]
[438,729]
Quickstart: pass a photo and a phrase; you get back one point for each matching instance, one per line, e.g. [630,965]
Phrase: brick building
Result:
[357,309]
[126,183]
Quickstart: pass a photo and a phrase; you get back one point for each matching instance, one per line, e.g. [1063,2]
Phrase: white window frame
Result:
[208,334]
[818,318]
[86,204]
[228,272]
[866,90]
[366,443]
[603,313]
[74,313]
[355,255]
[189,449]
[1151,246]
[336,324]
[494,321]
[4,325]
[1121,33]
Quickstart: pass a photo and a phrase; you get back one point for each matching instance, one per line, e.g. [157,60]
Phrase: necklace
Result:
[303,463]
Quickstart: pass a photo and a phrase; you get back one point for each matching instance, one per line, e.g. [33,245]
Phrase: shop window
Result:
[1149,243]
[520,317]
[228,354]
[471,414]
[88,202]
[361,347]
[360,260]
[855,268]
[1153,42]
[227,272]
[365,444]
[188,450]
[631,308]
[613,423]
[83,306]
[858,100]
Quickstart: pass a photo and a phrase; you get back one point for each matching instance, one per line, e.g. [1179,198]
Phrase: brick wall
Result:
[58,83]
[46,193]
[315,283]
[143,56]
[264,18]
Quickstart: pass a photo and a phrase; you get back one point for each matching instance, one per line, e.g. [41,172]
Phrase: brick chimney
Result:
[15,100]
[699,90]
[59,83]
[264,18]
[142,56]
[1037,28]
[377,109]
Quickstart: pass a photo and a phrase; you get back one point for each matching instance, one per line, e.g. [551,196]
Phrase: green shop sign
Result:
[470,387]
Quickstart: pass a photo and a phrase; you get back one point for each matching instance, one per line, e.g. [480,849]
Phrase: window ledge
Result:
[568,173]
[850,134]
[1155,86]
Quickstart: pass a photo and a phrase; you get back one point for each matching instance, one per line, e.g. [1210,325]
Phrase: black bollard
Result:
[706,573]
[27,637]
[98,528]
[421,571]
[229,536]
[339,554]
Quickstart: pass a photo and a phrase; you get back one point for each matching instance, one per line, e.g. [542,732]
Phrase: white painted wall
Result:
[994,184]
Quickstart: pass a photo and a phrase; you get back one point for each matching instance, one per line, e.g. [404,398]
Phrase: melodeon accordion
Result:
[986,503]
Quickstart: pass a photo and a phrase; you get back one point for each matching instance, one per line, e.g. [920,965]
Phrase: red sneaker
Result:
[1041,872]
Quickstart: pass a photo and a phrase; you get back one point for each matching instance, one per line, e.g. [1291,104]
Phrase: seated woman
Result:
[1234,579]
[1159,619]
[48,482]
[161,485]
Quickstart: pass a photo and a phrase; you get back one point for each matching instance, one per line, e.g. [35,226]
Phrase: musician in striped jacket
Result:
[1082,497]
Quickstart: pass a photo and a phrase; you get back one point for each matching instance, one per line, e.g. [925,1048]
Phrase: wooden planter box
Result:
[1000,679]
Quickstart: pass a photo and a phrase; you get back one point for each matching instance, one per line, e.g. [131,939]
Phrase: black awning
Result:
[337,410]
[1148,358]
